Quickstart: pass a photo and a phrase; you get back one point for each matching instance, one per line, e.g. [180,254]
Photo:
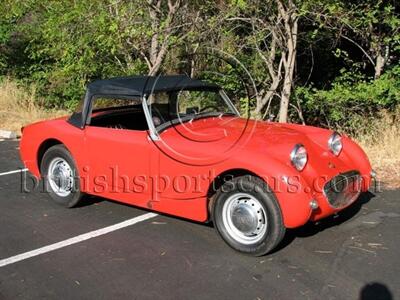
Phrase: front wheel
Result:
[247,216]
[61,177]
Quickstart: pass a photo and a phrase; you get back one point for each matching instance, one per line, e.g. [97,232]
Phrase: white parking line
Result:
[75,240]
[13,172]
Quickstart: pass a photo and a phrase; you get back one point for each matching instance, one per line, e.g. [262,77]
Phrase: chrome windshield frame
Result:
[153,133]
[228,102]
[152,129]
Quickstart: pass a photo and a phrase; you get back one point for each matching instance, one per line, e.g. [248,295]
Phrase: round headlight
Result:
[298,157]
[335,143]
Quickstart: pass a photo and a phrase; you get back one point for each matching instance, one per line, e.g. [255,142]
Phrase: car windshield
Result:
[169,108]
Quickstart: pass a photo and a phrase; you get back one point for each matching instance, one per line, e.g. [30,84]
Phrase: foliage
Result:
[366,31]
[352,101]
[345,68]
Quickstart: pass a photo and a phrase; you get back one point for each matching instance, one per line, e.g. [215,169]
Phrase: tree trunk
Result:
[262,100]
[159,45]
[289,15]
[379,64]
[287,85]
[154,8]
[266,97]
[285,96]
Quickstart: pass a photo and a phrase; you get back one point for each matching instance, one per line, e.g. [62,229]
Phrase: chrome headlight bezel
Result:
[335,143]
[299,157]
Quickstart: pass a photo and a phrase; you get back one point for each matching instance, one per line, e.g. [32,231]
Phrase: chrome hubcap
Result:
[244,218]
[61,177]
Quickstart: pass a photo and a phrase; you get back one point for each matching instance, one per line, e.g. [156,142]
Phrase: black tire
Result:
[75,195]
[268,204]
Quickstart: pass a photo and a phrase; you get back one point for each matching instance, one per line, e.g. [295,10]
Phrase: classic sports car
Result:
[177,145]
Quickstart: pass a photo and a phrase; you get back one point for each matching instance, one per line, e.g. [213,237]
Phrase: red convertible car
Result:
[178,145]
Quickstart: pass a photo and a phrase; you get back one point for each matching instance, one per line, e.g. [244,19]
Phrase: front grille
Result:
[343,189]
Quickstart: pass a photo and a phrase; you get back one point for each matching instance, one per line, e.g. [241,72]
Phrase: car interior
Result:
[120,118]
[129,117]
[165,110]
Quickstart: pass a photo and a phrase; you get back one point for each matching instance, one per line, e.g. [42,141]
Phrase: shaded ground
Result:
[351,256]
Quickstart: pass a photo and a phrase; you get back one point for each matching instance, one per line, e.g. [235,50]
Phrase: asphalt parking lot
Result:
[354,255]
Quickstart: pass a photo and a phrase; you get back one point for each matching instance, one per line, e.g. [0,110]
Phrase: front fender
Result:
[291,190]
[353,154]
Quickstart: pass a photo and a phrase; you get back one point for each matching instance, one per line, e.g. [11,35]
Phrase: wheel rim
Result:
[244,218]
[60,177]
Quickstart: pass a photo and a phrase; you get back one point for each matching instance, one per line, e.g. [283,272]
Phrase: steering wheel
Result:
[215,108]
[157,115]
[116,126]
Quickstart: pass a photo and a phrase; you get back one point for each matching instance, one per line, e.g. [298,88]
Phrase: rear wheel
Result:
[61,176]
[247,216]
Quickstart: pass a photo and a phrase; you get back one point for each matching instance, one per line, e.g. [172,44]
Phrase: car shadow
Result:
[312,228]
[90,200]
[305,231]
[375,291]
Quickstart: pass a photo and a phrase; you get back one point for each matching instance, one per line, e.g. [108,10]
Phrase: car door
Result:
[121,157]
[119,164]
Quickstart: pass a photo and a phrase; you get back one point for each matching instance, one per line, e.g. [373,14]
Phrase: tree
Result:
[288,13]
[371,26]
[72,42]
[272,30]
[164,23]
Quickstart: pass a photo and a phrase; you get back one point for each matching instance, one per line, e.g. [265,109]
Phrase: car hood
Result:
[212,136]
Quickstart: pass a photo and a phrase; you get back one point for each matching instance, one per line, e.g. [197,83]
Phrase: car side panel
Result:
[35,134]
[73,139]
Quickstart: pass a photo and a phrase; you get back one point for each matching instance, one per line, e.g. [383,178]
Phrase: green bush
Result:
[351,102]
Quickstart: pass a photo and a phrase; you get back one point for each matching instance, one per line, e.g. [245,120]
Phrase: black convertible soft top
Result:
[145,85]
[135,87]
